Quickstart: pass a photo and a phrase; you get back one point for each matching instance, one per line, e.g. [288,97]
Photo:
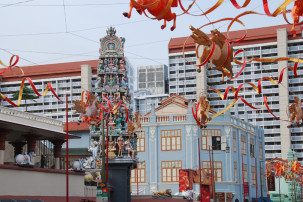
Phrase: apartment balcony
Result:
[172,90]
[172,83]
[296,80]
[297,138]
[174,68]
[76,83]
[297,146]
[271,123]
[181,82]
[190,66]
[190,97]
[267,51]
[273,147]
[218,79]
[271,156]
[190,81]
[299,154]
[296,130]
[294,89]
[180,90]
[270,91]
[190,89]
[76,91]
[271,131]
[191,74]
[173,76]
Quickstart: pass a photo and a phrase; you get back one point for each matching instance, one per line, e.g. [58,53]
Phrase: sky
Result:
[57,31]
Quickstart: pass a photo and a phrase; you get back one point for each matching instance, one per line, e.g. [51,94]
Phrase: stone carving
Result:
[163,192]
[152,133]
[25,160]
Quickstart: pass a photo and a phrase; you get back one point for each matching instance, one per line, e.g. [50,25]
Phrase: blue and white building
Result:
[169,142]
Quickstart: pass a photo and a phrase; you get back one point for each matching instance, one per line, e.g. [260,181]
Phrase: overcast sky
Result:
[39,32]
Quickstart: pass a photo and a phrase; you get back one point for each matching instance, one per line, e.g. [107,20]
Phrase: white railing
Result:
[179,118]
[25,115]
[144,119]
[90,191]
[162,118]
[142,191]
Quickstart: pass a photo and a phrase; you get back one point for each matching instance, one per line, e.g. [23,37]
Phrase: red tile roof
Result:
[49,70]
[73,126]
[256,35]
[174,96]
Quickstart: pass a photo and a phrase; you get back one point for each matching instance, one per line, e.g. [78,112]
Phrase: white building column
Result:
[282,44]
[86,77]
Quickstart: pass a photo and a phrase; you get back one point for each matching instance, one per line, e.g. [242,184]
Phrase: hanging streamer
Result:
[12,63]
[48,86]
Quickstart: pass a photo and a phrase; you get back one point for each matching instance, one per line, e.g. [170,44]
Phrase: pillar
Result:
[18,147]
[86,77]
[2,144]
[283,92]
[57,152]
[31,145]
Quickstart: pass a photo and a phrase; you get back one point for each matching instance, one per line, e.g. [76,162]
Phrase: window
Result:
[235,141]
[260,151]
[140,170]
[171,140]
[141,141]
[236,171]
[211,138]
[245,172]
[252,147]
[170,170]
[217,173]
[253,175]
[243,144]
[216,142]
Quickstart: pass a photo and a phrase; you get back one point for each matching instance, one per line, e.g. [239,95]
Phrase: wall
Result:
[39,182]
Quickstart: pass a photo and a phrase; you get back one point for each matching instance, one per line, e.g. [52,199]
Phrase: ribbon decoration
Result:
[234,2]
[258,90]
[12,63]
[114,109]
[82,98]
[48,86]
[283,168]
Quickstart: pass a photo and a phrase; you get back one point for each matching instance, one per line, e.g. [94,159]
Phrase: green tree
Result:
[27,94]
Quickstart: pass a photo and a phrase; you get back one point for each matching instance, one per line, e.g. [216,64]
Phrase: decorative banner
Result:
[206,193]
[12,64]
[183,180]
[48,86]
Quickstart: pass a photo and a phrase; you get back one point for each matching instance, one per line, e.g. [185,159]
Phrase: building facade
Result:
[66,78]
[169,142]
[153,78]
[267,42]
[182,72]
[144,100]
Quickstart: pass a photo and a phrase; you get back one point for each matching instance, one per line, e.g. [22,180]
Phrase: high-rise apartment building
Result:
[66,78]
[267,42]
[153,78]
[144,100]
[182,73]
